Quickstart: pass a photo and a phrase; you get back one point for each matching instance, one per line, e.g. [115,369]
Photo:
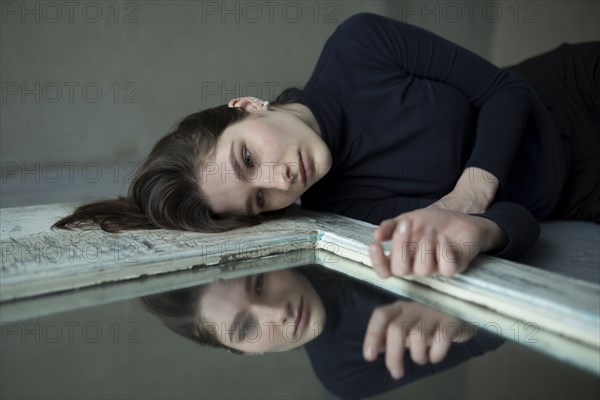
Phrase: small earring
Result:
[264,104]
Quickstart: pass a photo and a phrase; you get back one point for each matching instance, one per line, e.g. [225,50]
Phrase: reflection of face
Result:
[271,152]
[265,310]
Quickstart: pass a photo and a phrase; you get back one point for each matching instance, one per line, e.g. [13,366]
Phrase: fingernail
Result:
[403,226]
[370,352]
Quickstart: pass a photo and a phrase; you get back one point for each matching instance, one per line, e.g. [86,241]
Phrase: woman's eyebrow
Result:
[236,320]
[237,170]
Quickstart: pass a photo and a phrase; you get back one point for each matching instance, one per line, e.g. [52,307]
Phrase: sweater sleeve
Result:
[520,226]
[352,377]
[500,97]
[376,211]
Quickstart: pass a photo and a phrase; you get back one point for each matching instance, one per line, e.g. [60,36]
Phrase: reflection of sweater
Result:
[404,112]
[336,354]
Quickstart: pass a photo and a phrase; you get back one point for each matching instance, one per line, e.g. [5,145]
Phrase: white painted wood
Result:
[36,260]
[39,262]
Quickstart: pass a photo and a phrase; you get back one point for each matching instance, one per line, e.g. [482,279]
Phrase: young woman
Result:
[361,341]
[397,127]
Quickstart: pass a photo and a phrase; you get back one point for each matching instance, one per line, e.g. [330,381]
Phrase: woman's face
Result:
[263,164]
[270,312]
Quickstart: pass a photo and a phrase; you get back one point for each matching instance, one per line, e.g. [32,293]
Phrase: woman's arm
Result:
[472,194]
[500,97]
[502,102]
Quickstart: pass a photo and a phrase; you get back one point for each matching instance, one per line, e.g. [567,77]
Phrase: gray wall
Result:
[88,89]
[163,60]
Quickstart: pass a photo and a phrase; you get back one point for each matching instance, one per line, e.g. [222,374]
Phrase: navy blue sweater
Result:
[405,111]
[336,354]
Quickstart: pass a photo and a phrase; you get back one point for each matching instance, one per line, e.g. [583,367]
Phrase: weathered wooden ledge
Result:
[37,261]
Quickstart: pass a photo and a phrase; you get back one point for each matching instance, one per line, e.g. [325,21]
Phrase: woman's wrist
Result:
[472,194]
[493,237]
[477,184]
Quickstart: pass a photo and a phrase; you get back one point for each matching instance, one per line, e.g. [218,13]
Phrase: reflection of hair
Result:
[165,191]
[178,311]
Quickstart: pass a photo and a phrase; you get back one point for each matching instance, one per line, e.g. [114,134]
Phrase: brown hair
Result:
[178,310]
[165,191]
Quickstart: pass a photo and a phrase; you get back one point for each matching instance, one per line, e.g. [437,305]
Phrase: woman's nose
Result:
[275,312]
[278,177]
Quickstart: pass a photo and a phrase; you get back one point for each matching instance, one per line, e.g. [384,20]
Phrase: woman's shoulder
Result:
[363,19]
[361,36]
[364,22]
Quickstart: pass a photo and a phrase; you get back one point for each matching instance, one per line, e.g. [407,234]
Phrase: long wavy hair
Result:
[165,191]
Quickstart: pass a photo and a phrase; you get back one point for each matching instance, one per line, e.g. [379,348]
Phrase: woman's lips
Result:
[301,169]
[302,317]
[307,172]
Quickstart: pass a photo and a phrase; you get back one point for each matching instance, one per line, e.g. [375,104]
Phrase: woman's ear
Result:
[247,103]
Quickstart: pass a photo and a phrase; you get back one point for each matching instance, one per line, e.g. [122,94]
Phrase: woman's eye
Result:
[260,199]
[248,158]
[259,284]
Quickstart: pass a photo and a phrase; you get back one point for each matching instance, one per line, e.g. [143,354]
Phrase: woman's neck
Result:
[303,113]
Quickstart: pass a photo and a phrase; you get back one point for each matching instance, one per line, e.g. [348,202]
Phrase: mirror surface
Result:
[119,349]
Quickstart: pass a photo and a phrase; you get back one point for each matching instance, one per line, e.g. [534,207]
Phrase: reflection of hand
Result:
[400,325]
[421,245]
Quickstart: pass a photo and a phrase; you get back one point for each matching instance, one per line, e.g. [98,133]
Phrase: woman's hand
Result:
[421,242]
[428,334]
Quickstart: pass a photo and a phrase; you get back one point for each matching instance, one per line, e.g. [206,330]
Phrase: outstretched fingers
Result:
[386,229]
[401,258]
[375,337]
[379,260]
[399,263]
[426,260]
